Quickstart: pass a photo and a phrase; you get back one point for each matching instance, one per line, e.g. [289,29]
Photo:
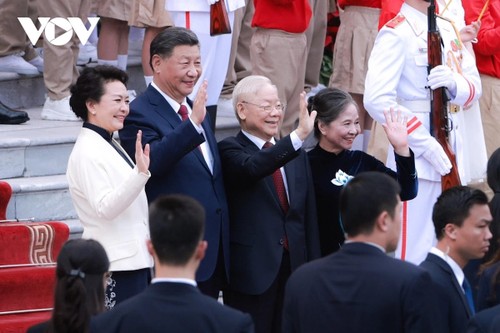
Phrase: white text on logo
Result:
[48,25]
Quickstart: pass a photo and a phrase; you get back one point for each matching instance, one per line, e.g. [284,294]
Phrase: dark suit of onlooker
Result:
[483,321]
[452,303]
[172,303]
[360,288]
[268,240]
[461,218]
[184,155]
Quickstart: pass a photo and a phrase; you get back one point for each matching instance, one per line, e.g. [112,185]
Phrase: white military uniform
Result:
[215,50]
[397,77]
[469,146]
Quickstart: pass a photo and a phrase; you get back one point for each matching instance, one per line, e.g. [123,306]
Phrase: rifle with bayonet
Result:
[440,123]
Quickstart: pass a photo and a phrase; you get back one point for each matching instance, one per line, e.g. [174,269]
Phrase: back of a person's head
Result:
[453,206]
[79,293]
[176,224]
[165,42]
[364,198]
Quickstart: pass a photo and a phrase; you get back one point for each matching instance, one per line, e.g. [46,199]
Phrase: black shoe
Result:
[11,116]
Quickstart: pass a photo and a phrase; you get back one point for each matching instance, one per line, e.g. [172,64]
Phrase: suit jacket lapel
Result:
[441,263]
[162,108]
[165,110]
[290,171]
[251,148]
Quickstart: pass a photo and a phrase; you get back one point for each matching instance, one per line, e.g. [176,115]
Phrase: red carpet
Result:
[27,272]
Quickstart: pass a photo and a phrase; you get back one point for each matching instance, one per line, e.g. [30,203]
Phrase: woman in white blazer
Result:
[106,187]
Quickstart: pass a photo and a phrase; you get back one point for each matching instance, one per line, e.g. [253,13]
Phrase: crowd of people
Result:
[289,237]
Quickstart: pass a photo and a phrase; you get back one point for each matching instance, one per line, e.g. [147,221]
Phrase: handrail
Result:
[51,264]
[4,313]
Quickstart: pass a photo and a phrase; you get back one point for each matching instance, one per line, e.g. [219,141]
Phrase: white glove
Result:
[442,76]
[211,2]
[436,156]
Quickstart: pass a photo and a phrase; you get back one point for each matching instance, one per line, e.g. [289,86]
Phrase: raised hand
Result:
[141,155]
[306,120]
[199,109]
[469,32]
[395,129]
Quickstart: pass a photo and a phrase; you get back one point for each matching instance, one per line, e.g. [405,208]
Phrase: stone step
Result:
[21,91]
[37,147]
[40,198]
[43,199]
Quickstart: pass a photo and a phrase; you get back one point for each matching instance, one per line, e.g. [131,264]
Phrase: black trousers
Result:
[266,309]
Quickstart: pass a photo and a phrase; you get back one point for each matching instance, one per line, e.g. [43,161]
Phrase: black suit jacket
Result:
[257,220]
[174,308]
[483,321]
[358,289]
[453,309]
[177,166]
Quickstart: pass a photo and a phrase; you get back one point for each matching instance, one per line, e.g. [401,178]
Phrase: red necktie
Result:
[279,185]
[183,112]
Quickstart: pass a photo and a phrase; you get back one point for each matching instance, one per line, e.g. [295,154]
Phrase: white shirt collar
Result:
[176,280]
[257,141]
[173,103]
[457,271]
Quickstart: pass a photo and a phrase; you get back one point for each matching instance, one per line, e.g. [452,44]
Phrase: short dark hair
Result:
[165,42]
[176,224]
[90,87]
[79,292]
[329,103]
[364,198]
[453,206]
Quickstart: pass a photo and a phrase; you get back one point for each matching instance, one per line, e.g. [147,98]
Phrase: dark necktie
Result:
[183,112]
[279,185]
[468,295]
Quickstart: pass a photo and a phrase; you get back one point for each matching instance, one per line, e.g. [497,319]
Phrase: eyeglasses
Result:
[267,108]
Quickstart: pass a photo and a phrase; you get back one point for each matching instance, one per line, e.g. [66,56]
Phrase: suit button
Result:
[218,210]
[282,241]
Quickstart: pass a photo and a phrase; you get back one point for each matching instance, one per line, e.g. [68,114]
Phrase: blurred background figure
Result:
[112,46]
[489,282]
[152,16]
[60,71]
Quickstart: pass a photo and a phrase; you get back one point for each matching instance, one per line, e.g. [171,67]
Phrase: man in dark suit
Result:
[360,288]
[184,155]
[485,321]
[461,218]
[271,202]
[172,303]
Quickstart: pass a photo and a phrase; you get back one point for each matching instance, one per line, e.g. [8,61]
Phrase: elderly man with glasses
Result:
[273,227]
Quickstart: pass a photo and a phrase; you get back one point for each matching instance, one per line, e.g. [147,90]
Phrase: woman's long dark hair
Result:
[79,292]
